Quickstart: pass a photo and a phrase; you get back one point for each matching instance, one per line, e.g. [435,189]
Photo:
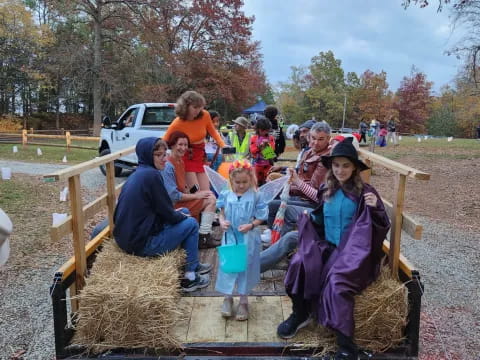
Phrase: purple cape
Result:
[332,281]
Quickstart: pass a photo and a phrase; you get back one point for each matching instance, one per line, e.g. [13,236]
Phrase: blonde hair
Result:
[250,172]
[185,100]
[353,185]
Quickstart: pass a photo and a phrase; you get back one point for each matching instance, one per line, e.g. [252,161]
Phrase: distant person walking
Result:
[392,131]
[363,129]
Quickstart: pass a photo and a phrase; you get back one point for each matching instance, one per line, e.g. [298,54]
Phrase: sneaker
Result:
[242,312]
[203,268]
[290,327]
[205,241]
[227,307]
[200,282]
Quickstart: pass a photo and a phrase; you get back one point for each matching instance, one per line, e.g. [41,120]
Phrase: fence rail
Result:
[25,138]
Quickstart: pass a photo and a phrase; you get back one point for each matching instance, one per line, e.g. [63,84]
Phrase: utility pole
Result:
[344,110]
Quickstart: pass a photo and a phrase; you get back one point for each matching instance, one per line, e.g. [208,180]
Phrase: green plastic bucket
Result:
[233,257]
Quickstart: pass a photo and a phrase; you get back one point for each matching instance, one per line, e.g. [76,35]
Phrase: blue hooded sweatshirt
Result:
[143,207]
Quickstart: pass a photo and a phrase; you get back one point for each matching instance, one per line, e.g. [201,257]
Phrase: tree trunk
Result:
[97,68]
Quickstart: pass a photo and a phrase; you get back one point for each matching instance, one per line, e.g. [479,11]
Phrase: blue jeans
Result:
[276,252]
[184,234]
[293,210]
[217,162]
[288,241]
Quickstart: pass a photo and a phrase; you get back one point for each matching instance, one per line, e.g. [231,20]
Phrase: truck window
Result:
[128,120]
[158,116]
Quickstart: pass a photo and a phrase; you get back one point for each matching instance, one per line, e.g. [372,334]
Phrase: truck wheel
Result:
[103,168]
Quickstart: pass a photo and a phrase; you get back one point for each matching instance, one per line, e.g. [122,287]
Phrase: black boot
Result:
[347,349]
[206,241]
[299,318]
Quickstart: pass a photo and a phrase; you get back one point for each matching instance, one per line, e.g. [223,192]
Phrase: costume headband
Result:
[240,164]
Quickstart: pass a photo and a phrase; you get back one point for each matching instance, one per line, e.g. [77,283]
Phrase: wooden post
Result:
[24,138]
[31,130]
[69,140]
[77,229]
[396,230]
[365,175]
[110,170]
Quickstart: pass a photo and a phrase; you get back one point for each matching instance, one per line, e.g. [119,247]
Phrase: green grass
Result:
[15,195]
[50,154]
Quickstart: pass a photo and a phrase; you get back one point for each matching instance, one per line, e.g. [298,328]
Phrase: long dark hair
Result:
[353,185]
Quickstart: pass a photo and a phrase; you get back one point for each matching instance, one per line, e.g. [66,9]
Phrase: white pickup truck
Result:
[137,122]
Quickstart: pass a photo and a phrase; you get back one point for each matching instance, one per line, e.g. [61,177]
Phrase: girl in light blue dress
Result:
[241,211]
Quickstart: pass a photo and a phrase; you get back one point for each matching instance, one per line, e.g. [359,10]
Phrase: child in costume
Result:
[241,211]
[262,148]
[194,121]
[339,251]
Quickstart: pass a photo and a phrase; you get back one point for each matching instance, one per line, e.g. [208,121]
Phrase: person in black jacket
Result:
[146,223]
[271,113]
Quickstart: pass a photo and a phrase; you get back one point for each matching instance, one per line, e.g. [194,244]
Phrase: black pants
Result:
[363,136]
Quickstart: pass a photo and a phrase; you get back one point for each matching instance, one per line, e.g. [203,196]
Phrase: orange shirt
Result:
[196,129]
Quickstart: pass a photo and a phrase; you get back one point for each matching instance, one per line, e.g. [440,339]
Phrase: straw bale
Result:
[380,318]
[130,301]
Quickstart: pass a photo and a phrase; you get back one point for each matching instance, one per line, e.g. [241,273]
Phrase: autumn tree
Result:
[373,97]
[206,46]
[413,100]
[326,88]
[22,44]
[291,95]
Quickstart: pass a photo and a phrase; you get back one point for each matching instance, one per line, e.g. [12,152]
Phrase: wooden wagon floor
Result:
[206,324]
[268,307]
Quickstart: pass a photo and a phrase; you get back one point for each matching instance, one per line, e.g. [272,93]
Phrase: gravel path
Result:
[447,257]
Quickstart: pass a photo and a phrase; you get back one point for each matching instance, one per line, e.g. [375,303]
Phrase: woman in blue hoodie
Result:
[146,223]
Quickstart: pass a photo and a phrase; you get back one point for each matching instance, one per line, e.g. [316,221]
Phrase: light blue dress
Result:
[240,211]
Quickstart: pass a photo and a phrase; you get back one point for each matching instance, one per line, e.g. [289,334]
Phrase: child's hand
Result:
[370,199]
[245,228]
[224,224]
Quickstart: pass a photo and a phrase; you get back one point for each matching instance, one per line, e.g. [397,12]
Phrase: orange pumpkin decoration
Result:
[224,168]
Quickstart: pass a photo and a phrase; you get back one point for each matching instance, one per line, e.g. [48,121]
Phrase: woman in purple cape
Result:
[339,251]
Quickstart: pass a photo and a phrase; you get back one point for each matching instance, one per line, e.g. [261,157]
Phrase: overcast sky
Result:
[363,34]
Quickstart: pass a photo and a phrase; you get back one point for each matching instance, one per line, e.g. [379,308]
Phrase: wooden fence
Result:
[68,137]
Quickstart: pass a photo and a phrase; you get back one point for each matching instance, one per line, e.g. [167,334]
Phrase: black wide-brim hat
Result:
[346,149]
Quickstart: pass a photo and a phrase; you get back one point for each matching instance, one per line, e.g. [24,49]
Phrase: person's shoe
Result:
[227,307]
[242,312]
[290,327]
[203,268]
[200,282]
[205,241]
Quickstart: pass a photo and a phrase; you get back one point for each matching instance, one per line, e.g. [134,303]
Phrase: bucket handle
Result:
[234,236]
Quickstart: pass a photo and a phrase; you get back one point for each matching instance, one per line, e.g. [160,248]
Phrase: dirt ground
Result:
[449,196]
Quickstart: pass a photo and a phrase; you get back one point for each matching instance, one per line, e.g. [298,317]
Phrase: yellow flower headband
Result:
[240,164]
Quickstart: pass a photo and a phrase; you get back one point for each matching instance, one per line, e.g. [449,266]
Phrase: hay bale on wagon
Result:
[130,301]
[380,318]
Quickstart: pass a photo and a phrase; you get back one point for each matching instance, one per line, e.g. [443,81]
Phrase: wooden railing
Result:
[74,224]
[398,218]
[68,137]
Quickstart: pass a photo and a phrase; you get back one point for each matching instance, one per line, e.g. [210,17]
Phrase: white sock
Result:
[206,222]
[190,275]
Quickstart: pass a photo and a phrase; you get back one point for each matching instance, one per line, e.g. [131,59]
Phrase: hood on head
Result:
[144,150]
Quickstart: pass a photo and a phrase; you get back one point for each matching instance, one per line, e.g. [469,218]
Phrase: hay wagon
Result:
[202,333]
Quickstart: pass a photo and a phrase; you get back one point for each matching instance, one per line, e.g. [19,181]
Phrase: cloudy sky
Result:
[363,34]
